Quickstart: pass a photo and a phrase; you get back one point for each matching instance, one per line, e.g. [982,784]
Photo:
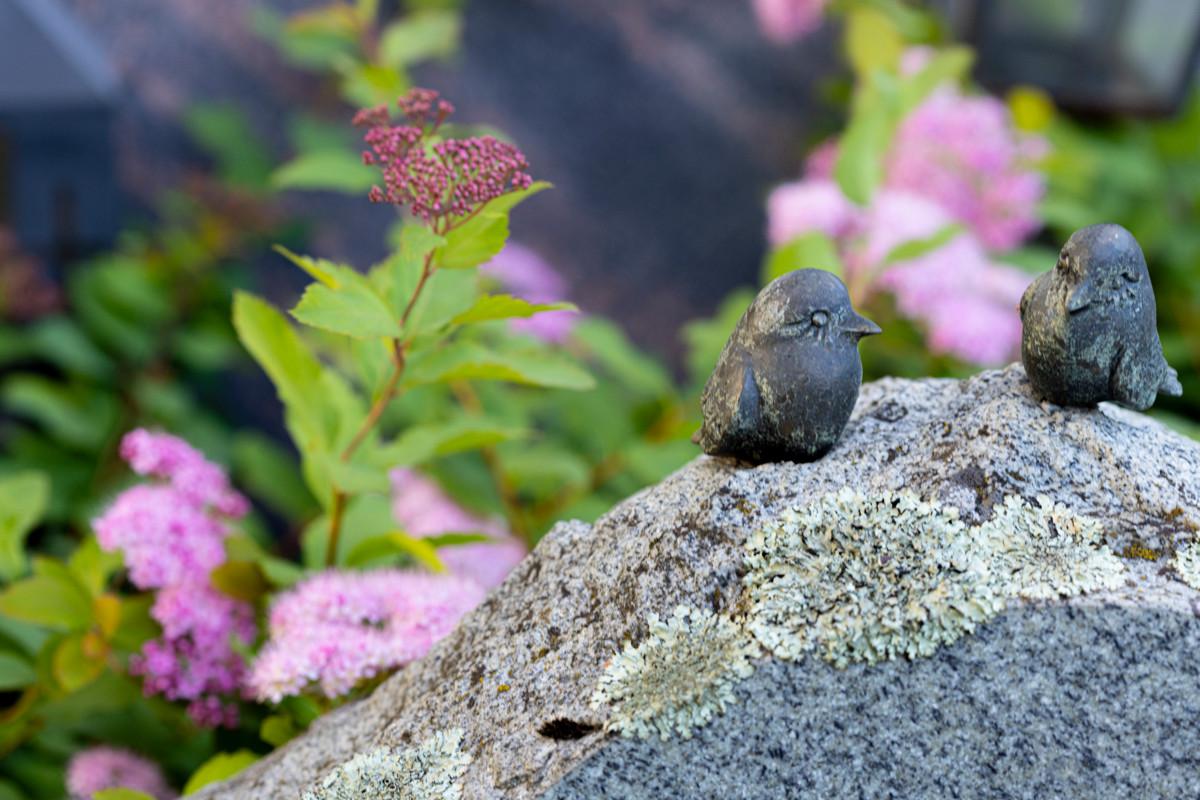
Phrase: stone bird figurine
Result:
[788,378]
[1089,331]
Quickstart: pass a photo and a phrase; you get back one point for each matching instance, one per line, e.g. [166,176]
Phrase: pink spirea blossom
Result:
[195,659]
[98,768]
[165,538]
[785,21]
[162,455]
[171,534]
[448,178]
[423,509]
[526,275]
[337,629]
[800,207]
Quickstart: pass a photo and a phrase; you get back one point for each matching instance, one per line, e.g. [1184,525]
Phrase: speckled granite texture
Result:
[1075,699]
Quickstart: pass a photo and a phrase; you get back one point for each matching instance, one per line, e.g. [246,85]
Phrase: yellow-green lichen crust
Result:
[432,770]
[676,678]
[865,578]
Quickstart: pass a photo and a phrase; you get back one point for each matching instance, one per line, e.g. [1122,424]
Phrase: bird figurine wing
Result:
[731,402]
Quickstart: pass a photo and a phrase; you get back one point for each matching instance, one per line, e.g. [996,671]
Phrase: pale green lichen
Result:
[1187,564]
[1044,551]
[432,770]
[678,677]
[860,578]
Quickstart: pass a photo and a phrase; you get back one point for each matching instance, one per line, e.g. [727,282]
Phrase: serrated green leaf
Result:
[446,295]
[16,672]
[392,543]
[420,36]
[505,306]
[915,248]
[326,170]
[51,597]
[483,236]
[352,310]
[23,499]
[469,361]
[218,768]
[420,443]
[813,250]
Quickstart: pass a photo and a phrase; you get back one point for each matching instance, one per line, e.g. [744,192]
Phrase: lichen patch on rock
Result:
[865,578]
[1044,551]
[676,678]
[1187,564]
[432,770]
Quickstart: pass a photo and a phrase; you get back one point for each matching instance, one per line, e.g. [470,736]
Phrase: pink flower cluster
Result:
[437,180]
[337,629]
[98,768]
[423,509]
[955,160]
[525,274]
[171,534]
[785,21]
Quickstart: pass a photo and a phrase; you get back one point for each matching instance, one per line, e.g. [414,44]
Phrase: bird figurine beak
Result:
[859,326]
[1080,299]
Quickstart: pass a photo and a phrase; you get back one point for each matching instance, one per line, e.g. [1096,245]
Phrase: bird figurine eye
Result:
[820,319]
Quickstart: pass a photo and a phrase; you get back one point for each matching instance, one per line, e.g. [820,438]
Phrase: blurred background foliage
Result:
[142,337]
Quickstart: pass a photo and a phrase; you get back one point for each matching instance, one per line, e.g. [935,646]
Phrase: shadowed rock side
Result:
[517,675]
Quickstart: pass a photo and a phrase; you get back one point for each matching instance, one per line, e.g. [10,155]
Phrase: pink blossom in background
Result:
[965,153]
[785,21]
[171,534]
[161,455]
[423,509]
[338,629]
[805,206]
[98,768]
[525,274]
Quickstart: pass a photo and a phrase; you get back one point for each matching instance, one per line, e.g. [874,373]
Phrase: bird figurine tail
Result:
[1170,385]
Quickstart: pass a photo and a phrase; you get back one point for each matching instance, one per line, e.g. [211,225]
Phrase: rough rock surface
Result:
[1097,696]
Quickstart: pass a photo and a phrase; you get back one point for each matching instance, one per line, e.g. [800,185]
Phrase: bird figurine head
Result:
[1100,265]
[787,380]
[1088,327]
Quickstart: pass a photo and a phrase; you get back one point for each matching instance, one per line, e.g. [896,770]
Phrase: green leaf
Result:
[326,170]
[947,64]
[78,417]
[354,477]
[277,730]
[448,294]
[121,793]
[483,236]
[420,36]
[15,672]
[504,306]
[92,567]
[608,345]
[64,344]
[223,130]
[352,310]
[872,42]
[420,443]
[397,277]
[319,269]
[51,597]
[859,166]
[23,499]
[915,248]
[813,250]
[135,627]
[241,580]
[219,768]
[268,472]
[469,361]
[392,543]
[74,663]
[289,363]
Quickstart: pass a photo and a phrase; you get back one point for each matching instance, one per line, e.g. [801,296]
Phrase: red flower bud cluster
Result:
[438,180]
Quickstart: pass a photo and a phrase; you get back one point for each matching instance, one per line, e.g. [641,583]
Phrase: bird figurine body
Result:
[788,378]
[1088,327]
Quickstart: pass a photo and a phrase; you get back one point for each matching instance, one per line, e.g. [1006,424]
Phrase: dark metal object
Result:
[788,378]
[1093,56]
[1089,331]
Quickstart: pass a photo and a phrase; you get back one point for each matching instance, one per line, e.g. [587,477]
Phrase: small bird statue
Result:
[1089,331]
[788,378]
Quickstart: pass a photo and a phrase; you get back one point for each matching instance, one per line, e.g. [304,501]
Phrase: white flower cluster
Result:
[1045,551]
[865,579]
[1187,564]
[678,677]
[431,771]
